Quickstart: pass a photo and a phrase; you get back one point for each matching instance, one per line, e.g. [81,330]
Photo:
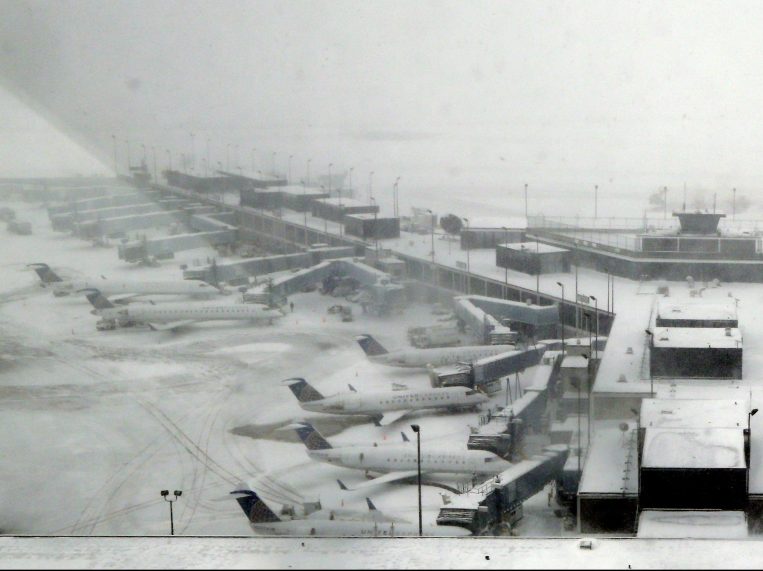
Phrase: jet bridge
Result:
[484,315]
[211,232]
[498,501]
[503,432]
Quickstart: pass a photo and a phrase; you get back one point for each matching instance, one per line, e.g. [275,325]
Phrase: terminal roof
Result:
[697,338]
[694,448]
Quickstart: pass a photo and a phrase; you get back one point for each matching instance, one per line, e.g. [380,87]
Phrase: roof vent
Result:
[728,332]
[621,378]
[629,351]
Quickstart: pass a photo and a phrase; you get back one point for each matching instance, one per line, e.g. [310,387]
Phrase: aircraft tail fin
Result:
[311,438]
[405,437]
[303,390]
[97,299]
[254,507]
[371,505]
[371,346]
[47,276]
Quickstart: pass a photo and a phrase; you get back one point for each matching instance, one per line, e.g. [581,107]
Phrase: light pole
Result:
[254,150]
[274,162]
[651,377]
[417,429]
[665,203]
[370,186]
[169,158]
[156,175]
[376,230]
[116,169]
[144,153]
[307,177]
[330,165]
[351,169]
[525,201]
[304,205]
[432,223]
[595,201]
[596,343]
[235,155]
[227,157]
[734,205]
[288,173]
[561,315]
[607,270]
[468,265]
[395,198]
[165,494]
[749,416]
[208,140]
[193,151]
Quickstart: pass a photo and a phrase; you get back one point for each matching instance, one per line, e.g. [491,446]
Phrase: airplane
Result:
[437,356]
[398,461]
[384,406]
[61,287]
[169,316]
[264,520]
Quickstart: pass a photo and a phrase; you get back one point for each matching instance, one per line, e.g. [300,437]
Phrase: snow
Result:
[692,524]
[400,553]
[697,338]
[97,423]
[695,413]
[606,470]
[533,247]
[694,448]
[722,310]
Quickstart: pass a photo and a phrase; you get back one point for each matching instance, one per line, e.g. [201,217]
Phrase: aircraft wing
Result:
[391,416]
[171,325]
[386,479]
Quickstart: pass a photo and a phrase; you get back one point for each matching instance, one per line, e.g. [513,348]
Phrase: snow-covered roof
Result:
[299,190]
[694,413]
[697,337]
[694,448]
[368,216]
[345,202]
[497,223]
[692,524]
[574,362]
[533,247]
[717,310]
[607,470]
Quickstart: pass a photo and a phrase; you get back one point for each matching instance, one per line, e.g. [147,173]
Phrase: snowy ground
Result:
[95,424]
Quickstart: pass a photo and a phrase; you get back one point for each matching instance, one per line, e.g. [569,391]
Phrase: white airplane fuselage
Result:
[175,312]
[403,458]
[111,287]
[439,356]
[383,401]
[338,528]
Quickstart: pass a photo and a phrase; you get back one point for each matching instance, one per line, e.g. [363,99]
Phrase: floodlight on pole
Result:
[165,494]
[417,429]
[561,315]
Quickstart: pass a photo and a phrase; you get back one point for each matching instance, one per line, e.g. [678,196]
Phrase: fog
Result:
[453,97]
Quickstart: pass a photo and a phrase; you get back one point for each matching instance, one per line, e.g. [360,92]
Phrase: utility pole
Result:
[165,494]
[417,429]
[116,169]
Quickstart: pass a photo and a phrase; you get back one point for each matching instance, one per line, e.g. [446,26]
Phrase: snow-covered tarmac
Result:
[94,424]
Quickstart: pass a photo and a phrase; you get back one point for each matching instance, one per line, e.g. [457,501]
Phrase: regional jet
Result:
[264,520]
[399,461]
[385,407]
[437,356]
[61,287]
[168,316]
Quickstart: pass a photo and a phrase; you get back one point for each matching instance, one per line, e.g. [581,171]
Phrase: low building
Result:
[532,258]
[490,232]
[693,468]
[696,352]
[300,198]
[336,209]
[671,313]
[264,198]
[371,226]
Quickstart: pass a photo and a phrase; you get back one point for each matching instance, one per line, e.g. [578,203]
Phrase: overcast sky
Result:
[560,93]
